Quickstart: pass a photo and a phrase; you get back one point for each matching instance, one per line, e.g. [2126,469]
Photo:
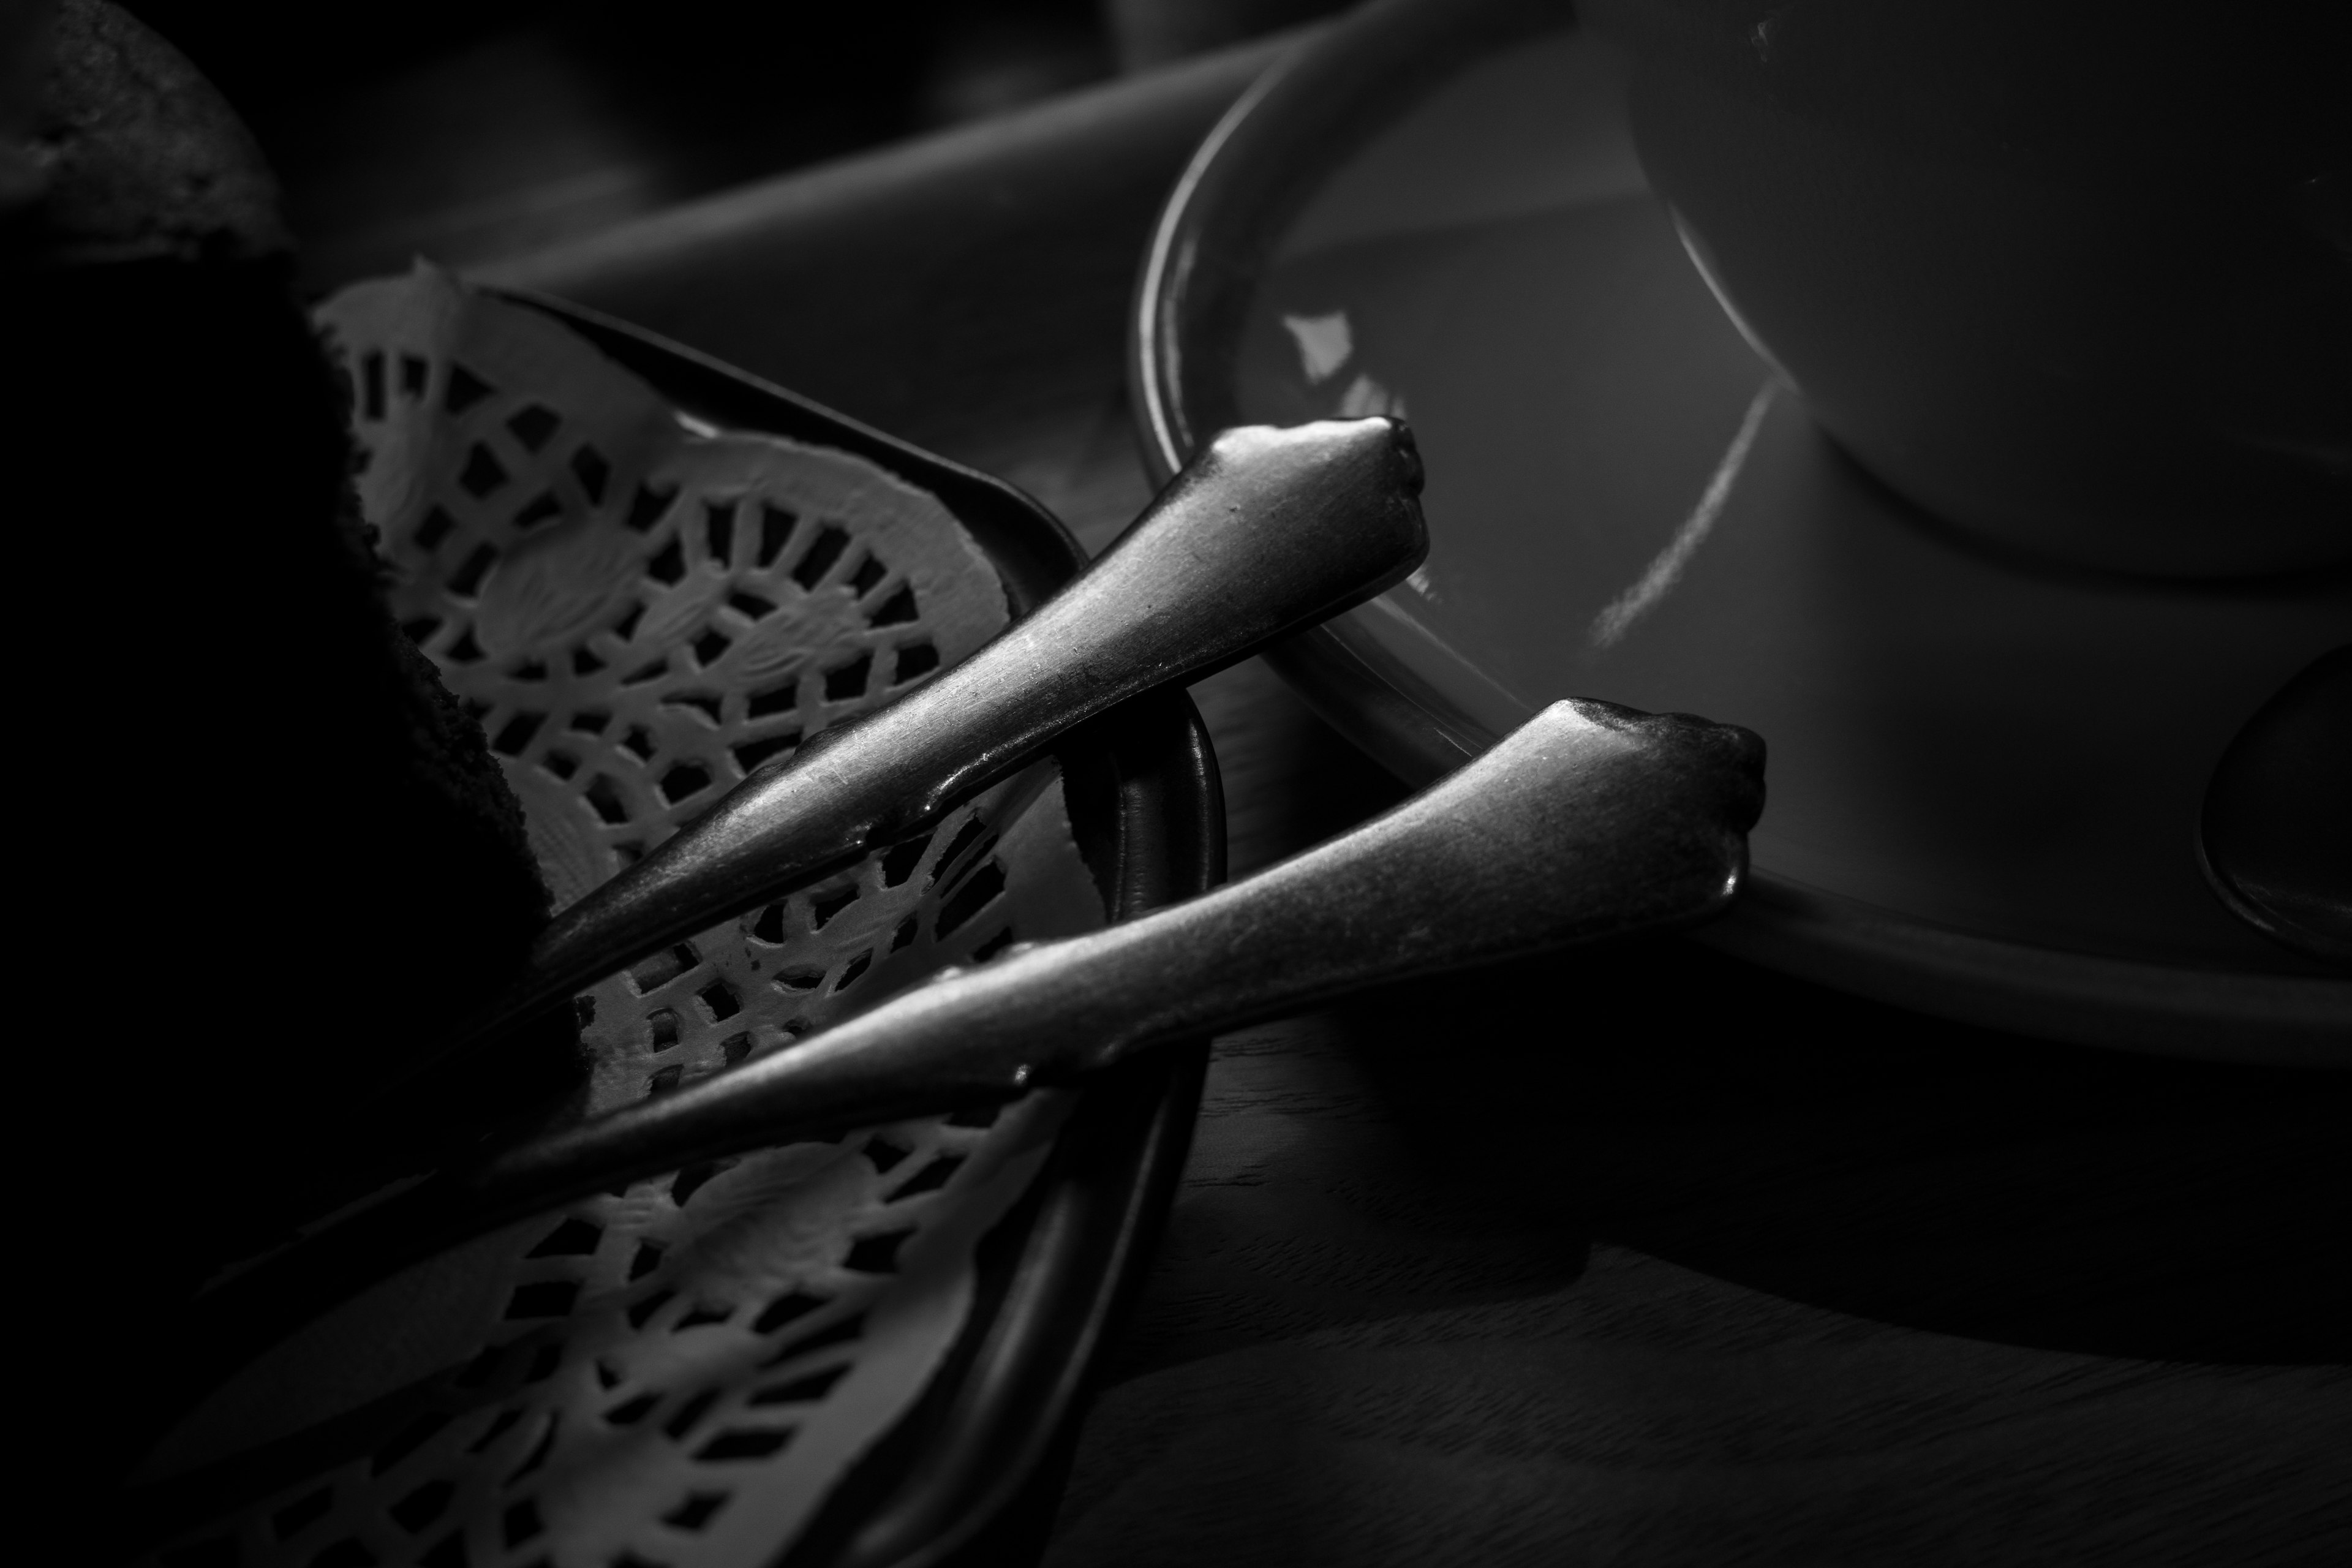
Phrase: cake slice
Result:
[269,853]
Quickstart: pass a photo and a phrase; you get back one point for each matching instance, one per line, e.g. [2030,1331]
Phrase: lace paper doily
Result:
[639,608]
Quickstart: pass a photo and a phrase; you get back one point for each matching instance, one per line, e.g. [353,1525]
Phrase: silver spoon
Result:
[1587,822]
[2276,839]
[1266,531]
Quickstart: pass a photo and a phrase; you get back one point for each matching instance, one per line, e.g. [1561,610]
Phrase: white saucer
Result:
[1985,772]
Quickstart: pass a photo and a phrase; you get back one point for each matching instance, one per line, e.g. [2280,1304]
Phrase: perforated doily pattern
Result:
[639,609]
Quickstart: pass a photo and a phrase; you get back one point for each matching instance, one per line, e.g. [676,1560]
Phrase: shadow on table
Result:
[1856,1157]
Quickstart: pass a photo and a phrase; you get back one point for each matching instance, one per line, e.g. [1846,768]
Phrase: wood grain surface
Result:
[1641,1258]
[1632,1257]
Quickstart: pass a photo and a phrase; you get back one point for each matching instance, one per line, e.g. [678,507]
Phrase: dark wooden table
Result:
[1644,1256]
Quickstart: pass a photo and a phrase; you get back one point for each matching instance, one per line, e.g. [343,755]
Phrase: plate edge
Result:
[1418,733]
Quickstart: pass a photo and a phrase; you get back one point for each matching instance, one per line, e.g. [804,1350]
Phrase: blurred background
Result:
[465,130]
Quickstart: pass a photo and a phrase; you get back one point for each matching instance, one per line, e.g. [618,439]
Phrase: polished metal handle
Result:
[1266,531]
[1589,821]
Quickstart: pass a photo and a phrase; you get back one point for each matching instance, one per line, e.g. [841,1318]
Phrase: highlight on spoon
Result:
[1266,531]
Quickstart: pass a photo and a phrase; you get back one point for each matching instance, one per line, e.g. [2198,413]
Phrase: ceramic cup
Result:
[2075,277]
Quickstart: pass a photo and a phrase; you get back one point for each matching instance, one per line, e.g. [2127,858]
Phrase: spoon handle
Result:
[1265,531]
[1589,821]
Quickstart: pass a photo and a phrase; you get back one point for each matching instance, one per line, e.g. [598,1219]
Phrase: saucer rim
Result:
[1368,72]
